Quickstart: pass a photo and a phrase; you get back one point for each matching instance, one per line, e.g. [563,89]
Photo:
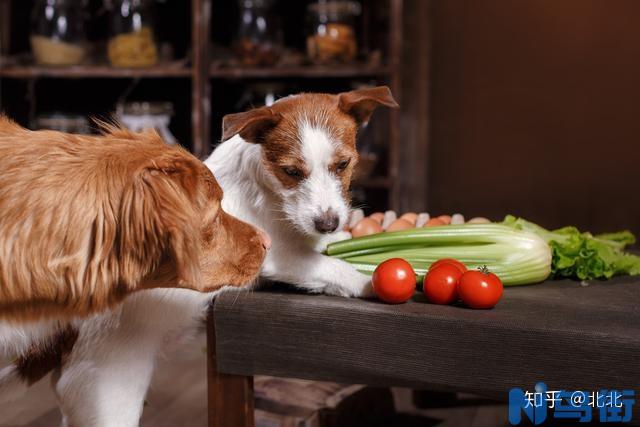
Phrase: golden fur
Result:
[85,220]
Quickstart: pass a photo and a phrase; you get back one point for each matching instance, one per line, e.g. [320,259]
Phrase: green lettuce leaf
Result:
[620,239]
[581,255]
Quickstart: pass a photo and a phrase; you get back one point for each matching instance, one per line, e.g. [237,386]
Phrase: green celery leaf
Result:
[581,255]
[619,239]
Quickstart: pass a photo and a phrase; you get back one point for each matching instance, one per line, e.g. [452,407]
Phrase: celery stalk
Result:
[516,256]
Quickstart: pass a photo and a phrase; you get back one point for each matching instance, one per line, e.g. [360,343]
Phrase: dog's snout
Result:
[265,239]
[327,222]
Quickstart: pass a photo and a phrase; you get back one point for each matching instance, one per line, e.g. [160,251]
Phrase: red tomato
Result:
[480,288]
[394,281]
[440,284]
[451,261]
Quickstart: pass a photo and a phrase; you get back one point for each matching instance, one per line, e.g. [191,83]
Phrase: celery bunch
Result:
[518,251]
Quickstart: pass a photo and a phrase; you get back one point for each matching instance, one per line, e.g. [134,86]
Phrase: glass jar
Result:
[137,116]
[63,122]
[132,42]
[259,38]
[332,34]
[58,32]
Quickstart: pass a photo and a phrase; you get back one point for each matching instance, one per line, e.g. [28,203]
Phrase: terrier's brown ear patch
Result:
[250,125]
[361,103]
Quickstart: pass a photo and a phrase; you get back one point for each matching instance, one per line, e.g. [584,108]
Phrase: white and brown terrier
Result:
[287,168]
[284,168]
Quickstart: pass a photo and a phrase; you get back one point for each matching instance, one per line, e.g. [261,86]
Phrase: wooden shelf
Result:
[308,71]
[93,71]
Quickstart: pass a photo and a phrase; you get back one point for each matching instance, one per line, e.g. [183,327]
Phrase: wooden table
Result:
[570,335]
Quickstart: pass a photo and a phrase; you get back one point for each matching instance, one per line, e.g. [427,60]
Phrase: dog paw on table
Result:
[348,282]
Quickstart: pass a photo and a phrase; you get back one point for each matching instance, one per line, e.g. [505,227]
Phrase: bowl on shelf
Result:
[138,116]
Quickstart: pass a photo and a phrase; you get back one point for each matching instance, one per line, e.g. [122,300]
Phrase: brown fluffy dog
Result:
[85,220]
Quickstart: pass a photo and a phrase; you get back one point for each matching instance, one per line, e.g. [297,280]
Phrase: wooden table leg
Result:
[230,397]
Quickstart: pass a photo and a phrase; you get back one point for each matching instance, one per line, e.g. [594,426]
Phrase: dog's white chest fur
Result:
[17,338]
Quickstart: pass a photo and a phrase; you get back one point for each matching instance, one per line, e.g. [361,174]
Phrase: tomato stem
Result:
[484,269]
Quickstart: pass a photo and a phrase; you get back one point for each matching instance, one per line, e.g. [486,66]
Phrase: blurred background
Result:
[507,107]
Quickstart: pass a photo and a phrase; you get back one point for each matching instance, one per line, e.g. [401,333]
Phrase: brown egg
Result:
[399,224]
[445,218]
[434,222]
[365,227]
[411,217]
[377,216]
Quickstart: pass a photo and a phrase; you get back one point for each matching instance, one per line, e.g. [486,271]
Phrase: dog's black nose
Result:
[327,222]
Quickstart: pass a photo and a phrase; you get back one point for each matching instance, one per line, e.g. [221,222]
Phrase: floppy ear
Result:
[361,103]
[158,219]
[251,124]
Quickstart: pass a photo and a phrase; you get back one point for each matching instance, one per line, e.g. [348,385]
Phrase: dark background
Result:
[534,110]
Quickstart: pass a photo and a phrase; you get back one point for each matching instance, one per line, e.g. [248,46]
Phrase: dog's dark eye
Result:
[292,172]
[342,165]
